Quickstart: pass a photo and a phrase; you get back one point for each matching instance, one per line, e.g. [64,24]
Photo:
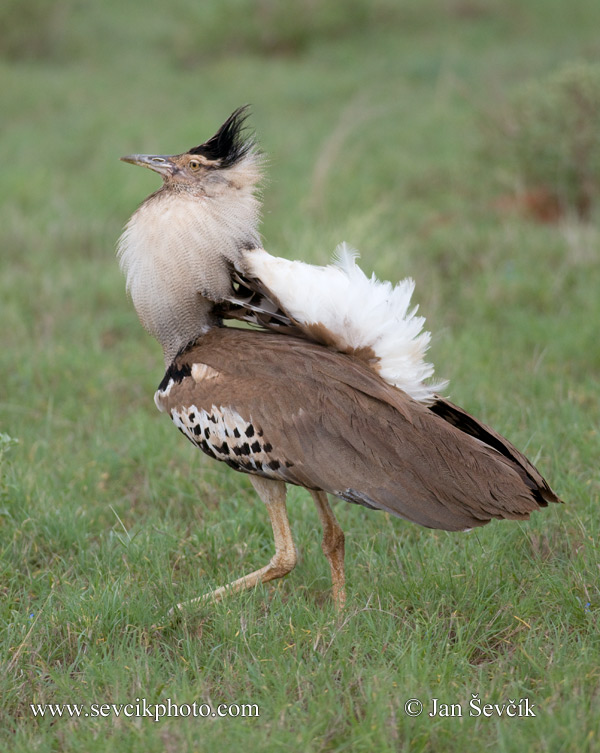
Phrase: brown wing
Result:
[286,408]
[470,425]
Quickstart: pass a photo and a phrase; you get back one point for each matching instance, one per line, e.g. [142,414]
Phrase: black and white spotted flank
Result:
[223,434]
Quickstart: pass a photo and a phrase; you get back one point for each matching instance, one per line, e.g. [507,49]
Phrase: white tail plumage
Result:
[360,312]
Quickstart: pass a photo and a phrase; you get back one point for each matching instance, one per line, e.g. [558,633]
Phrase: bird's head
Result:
[228,159]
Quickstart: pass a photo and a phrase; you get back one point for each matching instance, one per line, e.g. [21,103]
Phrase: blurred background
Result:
[455,141]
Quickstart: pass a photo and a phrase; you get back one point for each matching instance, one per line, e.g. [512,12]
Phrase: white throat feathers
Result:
[178,248]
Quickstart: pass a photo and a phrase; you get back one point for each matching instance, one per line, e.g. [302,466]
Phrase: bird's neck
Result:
[177,252]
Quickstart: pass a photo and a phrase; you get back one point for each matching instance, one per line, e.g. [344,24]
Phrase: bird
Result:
[325,386]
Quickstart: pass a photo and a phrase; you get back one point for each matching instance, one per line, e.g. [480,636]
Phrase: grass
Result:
[107,517]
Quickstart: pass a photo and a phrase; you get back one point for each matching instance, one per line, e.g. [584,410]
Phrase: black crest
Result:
[229,144]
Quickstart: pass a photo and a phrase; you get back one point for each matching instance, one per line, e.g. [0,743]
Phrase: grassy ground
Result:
[373,123]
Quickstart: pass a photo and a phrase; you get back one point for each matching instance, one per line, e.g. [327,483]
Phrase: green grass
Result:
[373,126]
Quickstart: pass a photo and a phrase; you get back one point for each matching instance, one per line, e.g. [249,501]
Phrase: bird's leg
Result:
[333,548]
[272,493]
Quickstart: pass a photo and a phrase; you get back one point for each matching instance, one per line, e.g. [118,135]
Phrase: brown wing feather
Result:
[331,423]
[467,423]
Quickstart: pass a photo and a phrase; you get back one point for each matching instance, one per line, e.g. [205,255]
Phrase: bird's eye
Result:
[194,164]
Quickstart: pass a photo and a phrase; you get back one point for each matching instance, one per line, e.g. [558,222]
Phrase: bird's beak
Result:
[160,164]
